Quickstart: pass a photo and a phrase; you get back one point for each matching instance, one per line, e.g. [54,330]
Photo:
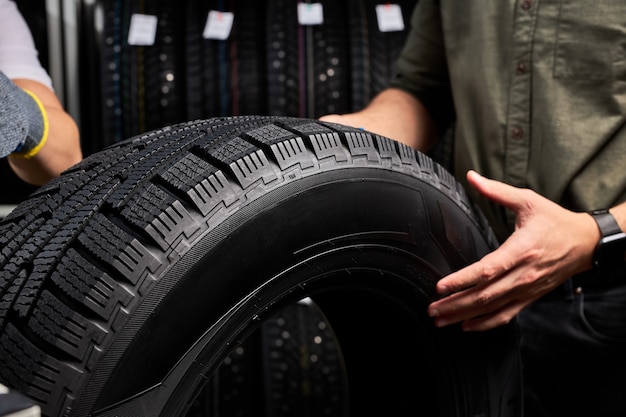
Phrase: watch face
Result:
[612,251]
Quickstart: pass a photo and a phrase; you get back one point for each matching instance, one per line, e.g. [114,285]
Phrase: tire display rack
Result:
[270,64]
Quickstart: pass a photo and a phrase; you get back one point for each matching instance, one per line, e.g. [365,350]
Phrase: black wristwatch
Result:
[611,249]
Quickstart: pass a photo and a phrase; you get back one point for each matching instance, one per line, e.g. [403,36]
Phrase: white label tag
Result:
[310,14]
[142,30]
[389,18]
[218,25]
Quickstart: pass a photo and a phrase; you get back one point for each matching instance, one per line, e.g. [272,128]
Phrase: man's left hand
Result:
[549,245]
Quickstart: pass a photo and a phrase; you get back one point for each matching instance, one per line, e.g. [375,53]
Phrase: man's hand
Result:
[394,114]
[549,245]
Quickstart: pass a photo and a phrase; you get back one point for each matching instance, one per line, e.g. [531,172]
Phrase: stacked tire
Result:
[269,64]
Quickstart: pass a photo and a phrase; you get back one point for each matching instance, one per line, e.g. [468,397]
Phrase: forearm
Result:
[397,115]
[60,151]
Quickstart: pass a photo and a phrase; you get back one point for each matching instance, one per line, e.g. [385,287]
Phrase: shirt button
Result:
[527,4]
[520,68]
[517,133]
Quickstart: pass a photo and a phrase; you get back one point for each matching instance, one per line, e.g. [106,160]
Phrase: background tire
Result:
[129,280]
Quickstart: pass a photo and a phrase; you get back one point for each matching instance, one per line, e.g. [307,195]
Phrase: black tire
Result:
[125,283]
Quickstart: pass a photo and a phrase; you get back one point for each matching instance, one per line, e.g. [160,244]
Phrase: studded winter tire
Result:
[167,263]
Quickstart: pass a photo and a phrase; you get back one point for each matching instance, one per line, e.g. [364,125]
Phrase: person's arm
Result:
[549,245]
[62,147]
[395,114]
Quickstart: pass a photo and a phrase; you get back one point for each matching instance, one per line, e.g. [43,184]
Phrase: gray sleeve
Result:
[18,56]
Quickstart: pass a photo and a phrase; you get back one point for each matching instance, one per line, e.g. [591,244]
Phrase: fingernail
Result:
[441,322]
[433,313]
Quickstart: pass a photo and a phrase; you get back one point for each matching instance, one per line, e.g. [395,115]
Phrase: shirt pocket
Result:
[591,40]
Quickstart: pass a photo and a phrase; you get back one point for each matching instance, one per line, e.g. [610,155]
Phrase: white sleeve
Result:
[18,56]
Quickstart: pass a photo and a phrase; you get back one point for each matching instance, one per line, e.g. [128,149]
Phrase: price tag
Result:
[218,25]
[389,18]
[142,30]
[310,14]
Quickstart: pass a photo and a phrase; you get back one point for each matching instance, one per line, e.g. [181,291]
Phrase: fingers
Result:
[481,307]
[488,269]
[495,319]
[332,118]
[483,293]
[469,276]
[348,119]
[480,299]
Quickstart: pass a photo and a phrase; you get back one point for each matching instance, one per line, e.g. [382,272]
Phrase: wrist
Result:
[610,251]
[38,126]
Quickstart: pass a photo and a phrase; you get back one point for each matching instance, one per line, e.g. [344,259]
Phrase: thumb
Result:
[496,191]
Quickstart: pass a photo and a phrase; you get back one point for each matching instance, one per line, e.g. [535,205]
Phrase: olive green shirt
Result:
[537,89]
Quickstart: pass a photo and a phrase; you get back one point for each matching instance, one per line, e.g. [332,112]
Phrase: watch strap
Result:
[611,249]
[606,222]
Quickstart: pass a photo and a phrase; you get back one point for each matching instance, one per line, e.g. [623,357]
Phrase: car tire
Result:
[127,282]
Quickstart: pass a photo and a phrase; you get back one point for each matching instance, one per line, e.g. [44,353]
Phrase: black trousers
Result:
[574,349]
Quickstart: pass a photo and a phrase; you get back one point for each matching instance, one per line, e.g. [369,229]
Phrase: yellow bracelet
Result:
[46,127]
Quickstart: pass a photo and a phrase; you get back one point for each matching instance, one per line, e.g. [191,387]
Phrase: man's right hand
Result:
[394,114]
